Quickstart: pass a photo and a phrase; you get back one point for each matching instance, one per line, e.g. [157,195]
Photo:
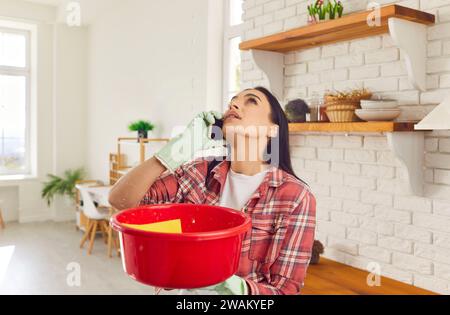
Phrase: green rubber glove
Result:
[195,138]
[232,286]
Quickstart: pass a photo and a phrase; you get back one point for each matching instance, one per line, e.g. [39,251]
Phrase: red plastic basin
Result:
[206,253]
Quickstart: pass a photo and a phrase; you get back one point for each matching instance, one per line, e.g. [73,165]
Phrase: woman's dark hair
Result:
[278,118]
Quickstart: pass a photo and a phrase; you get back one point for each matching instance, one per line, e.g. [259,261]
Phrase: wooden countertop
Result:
[333,278]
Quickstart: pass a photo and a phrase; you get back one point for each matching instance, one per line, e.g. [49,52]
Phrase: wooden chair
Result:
[82,220]
[97,219]
[2,222]
[113,238]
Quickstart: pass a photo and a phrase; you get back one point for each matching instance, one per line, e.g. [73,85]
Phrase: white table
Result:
[100,195]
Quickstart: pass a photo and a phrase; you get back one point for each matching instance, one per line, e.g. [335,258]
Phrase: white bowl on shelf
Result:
[379,104]
[378,114]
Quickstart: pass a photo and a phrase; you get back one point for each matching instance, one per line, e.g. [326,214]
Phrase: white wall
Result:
[138,59]
[147,60]
[70,99]
[60,111]
[365,213]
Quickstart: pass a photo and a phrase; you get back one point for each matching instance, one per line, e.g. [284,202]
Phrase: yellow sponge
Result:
[172,226]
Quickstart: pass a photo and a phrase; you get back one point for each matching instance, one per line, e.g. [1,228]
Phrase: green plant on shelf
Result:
[321,9]
[142,127]
[63,186]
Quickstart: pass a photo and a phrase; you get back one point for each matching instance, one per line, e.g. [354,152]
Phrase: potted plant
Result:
[335,10]
[296,111]
[63,186]
[321,9]
[142,127]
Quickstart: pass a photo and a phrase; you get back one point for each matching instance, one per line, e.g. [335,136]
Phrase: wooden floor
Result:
[332,278]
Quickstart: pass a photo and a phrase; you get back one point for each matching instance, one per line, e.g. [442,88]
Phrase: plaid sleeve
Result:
[172,188]
[287,273]
[163,190]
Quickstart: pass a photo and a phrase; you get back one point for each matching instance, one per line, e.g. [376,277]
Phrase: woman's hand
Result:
[195,138]
[232,286]
[130,189]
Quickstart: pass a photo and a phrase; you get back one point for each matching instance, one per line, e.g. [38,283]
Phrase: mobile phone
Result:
[219,125]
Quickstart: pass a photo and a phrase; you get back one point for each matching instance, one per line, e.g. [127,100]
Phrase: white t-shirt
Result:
[239,188]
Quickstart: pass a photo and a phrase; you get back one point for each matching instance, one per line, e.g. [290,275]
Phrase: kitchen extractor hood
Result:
[438,119]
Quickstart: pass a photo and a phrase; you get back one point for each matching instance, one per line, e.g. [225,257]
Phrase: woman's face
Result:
[249,114]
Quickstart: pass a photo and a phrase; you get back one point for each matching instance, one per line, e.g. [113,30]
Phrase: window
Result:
[232,54]
[235,12]
[14,102]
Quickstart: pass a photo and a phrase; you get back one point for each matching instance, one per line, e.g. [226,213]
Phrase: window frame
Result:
[230,32]
[29,31]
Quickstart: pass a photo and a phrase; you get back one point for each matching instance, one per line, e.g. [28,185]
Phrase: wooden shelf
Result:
[382,126]
[348,27]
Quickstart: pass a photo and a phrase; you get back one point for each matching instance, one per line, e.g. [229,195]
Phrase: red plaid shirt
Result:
[277,251]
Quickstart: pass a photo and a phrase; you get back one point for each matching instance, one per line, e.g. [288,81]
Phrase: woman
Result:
[256,177]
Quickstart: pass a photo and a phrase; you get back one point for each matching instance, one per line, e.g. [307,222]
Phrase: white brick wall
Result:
[365,211]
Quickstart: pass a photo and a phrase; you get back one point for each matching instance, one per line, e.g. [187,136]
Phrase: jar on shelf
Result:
[323,111]
[314,108]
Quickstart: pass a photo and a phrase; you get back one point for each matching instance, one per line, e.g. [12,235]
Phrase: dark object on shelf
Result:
[142,134]
[317,250]
[296,111]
